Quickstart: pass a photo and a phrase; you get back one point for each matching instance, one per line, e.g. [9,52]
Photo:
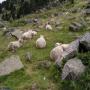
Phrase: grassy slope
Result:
[23,79]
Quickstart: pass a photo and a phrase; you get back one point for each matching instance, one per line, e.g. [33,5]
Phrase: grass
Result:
[23,79]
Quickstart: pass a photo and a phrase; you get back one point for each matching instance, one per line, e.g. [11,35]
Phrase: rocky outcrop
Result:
[73,69]
[85,43]
[10,65]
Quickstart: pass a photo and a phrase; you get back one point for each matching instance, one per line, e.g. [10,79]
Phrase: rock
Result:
[8,32]
[83,22]
[34,87]
[73,69]
[28,56]
[85,43]
[44,64]
[69,53]
[5,88]
[75,26]
[87,11]
[56,14]
[17,33]
[28,21]
[10,65]
[1,24]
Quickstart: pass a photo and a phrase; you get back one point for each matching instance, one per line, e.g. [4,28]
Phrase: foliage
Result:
[13,9]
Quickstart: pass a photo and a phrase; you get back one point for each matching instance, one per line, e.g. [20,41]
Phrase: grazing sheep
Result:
[56,52]
[48,26]
[14,45]
[29,34]
[41,43]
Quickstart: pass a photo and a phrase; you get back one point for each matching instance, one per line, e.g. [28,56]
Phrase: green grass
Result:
[23,79]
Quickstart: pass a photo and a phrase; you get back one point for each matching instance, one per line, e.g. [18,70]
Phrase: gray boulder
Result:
[85,43]
[10,65]
[8,32]
[73,69]
[75,26]
[1,24]
[87,11]
[17,33]
[69,53]
[28,21]
[28,56]
[44,64]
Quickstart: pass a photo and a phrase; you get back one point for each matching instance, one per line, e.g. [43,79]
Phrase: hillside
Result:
[41,73]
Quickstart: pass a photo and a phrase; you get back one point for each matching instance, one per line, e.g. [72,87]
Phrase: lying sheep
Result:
[41,42]
[14,45]
[29,34]
[56,52]
[48,26]
[65,46]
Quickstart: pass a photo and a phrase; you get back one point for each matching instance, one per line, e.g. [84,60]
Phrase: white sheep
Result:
[15,44]
[34,33]
[56,52]
[48,26]
[65,46]
[29,34]
[41,42]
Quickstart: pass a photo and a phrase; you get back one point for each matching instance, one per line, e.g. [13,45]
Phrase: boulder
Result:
[1,24]
[5,88]
[10,65]
[44,64]
[69,53]
[17,34]
[34,86]
[75,26]
[87,11]
[28,21]
[85,43]
[73,69]
[8,32]
[28,56]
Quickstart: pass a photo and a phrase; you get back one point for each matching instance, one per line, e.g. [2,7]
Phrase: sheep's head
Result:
[21,40]
[58,44]
[34,33]
[41,36]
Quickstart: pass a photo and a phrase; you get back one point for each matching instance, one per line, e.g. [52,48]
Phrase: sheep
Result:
[48,26]
[34,33]
[41,42]
[29,34]
[56,52]
[14,45]
[65,46]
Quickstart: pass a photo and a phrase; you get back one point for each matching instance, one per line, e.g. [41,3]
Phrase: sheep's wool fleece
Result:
[41,43]
[56,52]
[15,44]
